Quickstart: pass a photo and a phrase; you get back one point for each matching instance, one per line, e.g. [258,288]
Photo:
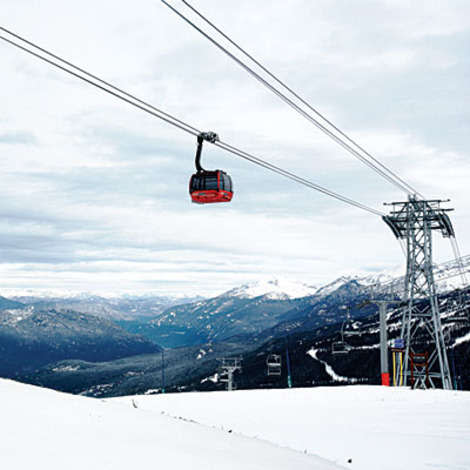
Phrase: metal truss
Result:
[414,221]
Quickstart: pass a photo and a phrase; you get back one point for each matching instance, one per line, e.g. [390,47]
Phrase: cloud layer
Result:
[94,193]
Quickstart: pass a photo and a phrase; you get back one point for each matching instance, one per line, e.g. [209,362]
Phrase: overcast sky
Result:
[94,193]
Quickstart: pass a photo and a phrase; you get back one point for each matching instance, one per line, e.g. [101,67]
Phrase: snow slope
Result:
[329,370]
[378,428]
[46,430]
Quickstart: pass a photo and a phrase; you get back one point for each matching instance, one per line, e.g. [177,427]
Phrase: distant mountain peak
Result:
[272,289]
[362,280]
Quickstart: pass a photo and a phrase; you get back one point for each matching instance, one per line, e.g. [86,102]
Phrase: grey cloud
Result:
[372,67]
[17,138]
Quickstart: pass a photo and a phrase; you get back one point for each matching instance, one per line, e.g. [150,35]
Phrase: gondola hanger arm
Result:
[209,136]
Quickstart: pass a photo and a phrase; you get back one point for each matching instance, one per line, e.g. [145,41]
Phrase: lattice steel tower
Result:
[414,221]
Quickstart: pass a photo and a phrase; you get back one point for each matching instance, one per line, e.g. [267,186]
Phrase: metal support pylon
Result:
[384,369]
[228,368]
[414,222]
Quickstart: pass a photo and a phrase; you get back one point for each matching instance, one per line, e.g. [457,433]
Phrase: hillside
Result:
[48,430]
[8,303]
[32,337]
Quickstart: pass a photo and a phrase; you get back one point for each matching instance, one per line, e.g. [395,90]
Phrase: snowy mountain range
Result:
[308,335]
[126,307]
[252,319]
[251,309]
[275,289]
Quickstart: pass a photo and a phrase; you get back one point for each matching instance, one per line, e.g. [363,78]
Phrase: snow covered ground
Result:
[357,427]
[378,428]
[42,429]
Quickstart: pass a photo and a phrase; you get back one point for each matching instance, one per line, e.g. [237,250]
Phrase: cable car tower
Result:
[414,221]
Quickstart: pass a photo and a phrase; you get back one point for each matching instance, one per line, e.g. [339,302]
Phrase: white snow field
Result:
[378,428]
[42,429]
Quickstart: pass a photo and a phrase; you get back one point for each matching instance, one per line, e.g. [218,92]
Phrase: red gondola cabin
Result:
[210,186]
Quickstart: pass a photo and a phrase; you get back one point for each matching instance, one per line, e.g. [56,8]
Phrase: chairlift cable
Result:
[150,109]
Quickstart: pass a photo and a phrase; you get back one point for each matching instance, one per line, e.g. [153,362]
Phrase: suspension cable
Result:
[156,112]
[296,95]
[385,172]
[110,85]
[173,122]
[294,177]
[458,259]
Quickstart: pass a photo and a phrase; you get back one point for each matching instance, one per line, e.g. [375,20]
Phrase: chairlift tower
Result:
[383,304]
[229,366]
[414,222]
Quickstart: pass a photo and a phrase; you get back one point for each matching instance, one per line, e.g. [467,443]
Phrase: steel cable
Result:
[150,109]
[395,179]
[302,100]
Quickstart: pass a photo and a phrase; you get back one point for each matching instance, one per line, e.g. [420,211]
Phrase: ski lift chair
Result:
[274,364]
[339,347]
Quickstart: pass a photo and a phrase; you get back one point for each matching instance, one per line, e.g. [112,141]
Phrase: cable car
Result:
[209,186]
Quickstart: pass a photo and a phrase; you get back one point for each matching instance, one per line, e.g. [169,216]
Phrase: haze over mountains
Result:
[110,346]
[112,307]
[312,362]
[249,309]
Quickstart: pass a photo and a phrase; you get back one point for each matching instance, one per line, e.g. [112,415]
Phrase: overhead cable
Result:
[375,165]
[458,259]
[296,178]
[91,79]
[184,126]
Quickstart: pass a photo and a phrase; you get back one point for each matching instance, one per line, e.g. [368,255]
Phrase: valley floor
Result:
[377,428]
